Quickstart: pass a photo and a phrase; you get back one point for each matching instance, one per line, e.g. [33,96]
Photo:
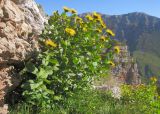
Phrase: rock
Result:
[132,76]
[2,25]
[4,109]
[12,12]
[126,70]
[33,15]
[1,11]
[116,90]
[20,24]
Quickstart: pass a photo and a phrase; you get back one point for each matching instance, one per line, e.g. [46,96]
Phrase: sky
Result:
[110,7]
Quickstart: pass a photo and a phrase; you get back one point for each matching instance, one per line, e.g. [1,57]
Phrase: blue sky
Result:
[111,7]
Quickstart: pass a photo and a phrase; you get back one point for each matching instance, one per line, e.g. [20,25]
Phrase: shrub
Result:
[71,58]
[142,98]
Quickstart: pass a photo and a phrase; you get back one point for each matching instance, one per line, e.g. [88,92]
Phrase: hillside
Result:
[141,32]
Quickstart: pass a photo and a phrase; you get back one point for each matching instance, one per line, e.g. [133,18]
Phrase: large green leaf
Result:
[30,67]
[44,72]
[36,85]
[57,98]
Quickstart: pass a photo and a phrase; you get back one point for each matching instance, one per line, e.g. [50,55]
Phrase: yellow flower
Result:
[99,20]
[97,16]
[66,9]
[89,17]
[98,30]
[81,23]
[84,29]
[153,78]
[103,38]
[103,24]
[111,63]
[78,19]
[73,11]
[70,31]
[110,32]
[117,49]
[50,43]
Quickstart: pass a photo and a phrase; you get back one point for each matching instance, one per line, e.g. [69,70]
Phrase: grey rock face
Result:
[33,15]
[20,24]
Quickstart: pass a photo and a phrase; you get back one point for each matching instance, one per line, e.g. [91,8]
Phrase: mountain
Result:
[141,32]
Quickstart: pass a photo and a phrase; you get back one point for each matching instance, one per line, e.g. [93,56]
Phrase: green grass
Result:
[147,53]
[88,102]
[149,64]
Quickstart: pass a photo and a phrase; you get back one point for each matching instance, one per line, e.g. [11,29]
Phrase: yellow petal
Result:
[50,43]
[66,9]
[70,31]
[73,11]
[117,49]
[110,32]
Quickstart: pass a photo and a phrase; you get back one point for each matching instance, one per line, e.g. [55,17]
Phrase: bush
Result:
[70,59]
[142,98]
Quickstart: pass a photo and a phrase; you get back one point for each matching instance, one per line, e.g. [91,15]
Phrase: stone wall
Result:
[20,23]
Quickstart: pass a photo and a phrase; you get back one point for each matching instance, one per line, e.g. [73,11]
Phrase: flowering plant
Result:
[71,57]
[143,98]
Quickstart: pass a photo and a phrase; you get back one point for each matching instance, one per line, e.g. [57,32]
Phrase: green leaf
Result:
[44,72]
[49,91]
[76,60]
[57,98]
[36,85]
[66,88]
[45,62]
[54,61]
[95,64]
[47,81]
[55,68]
[30,67]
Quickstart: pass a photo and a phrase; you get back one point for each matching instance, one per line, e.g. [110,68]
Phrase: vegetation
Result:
[71,58]
[141,33]
[147,54]
[148,64]
[59,80]
[140,99]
